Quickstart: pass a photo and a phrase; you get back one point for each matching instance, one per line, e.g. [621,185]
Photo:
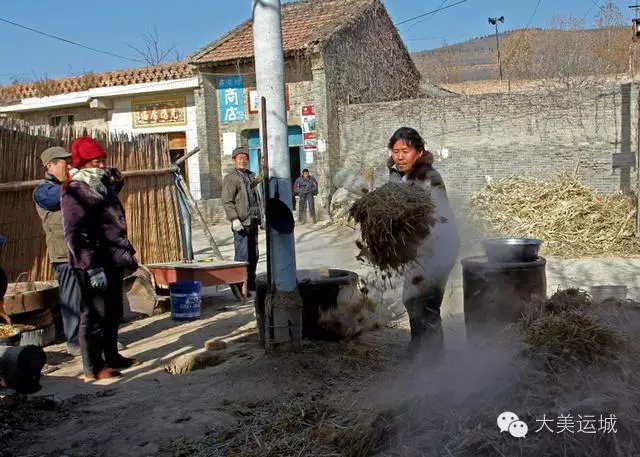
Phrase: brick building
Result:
[336,52]
[155,99]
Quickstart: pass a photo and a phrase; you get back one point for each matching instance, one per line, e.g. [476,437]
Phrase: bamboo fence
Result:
[148,195]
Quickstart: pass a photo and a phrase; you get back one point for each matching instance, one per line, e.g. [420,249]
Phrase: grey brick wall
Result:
[593,131]
[89,118]
[207,127]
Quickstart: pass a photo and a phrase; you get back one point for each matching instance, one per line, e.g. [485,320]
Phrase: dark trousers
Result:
[425,320]
[70,301]
[245,244]
[306,199]
[99,320]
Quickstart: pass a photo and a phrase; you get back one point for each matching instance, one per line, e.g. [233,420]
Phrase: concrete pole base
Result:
[283,323]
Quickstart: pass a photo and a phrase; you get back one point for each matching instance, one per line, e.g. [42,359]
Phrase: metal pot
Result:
[503,250]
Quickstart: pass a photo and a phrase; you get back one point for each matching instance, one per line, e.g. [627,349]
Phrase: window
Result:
[57,121]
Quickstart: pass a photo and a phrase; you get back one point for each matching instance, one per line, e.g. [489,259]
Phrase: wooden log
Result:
[17,186]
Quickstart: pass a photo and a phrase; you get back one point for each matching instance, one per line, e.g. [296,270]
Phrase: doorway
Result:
[296,156]
[178,148]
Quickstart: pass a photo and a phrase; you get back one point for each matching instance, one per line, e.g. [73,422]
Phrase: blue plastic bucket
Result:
[186,298]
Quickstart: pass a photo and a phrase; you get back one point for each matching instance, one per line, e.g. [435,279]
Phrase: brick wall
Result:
[207,132]
[89,118]
[593,131]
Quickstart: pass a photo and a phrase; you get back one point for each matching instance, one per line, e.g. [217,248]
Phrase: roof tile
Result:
[304,23]
[156,73]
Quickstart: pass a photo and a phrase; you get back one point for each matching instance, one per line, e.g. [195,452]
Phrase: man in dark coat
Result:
[241,205]
[95,230]
[306,188]
[57,162]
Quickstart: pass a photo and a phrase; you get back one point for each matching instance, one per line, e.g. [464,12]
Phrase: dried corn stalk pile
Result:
[572,219]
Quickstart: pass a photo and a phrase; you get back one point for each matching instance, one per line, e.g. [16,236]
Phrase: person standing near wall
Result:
[95,230]
[425,279]
[306,188]
[57,162]
[241,205]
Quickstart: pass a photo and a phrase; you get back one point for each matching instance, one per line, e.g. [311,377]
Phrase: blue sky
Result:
[112,25]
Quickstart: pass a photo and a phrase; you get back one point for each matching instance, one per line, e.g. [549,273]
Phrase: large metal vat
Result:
[496,294]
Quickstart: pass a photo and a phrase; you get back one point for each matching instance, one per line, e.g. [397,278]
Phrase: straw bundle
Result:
[572,219]
[393,220]
[149,200]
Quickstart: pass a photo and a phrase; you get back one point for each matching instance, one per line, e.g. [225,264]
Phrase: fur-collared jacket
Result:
[438,252]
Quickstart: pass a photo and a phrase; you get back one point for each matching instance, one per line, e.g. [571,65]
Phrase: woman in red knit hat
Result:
[99,251]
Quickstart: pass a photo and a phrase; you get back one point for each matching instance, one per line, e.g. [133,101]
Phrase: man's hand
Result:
[236,225]
[97,278]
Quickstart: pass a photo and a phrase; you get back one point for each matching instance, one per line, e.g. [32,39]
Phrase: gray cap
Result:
[238,151]
[51,154]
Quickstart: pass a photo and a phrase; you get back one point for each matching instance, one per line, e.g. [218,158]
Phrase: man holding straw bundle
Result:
[426,277]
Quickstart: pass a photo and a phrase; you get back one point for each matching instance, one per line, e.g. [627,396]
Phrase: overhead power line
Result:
[425,18]
[68,41]
[430,12]
[535,10]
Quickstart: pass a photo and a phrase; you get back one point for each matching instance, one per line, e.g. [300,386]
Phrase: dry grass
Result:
[594,370]
[441,419]
[562,332]
[572,219]
[393,219]
[310,423]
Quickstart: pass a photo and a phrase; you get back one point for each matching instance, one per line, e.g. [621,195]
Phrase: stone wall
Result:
[591,131]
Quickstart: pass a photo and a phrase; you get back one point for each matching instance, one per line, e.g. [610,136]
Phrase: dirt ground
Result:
[235,406]
[149,412]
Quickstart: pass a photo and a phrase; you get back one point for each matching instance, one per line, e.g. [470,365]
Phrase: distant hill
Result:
[474,59]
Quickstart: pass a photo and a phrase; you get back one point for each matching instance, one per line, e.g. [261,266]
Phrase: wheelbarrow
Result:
[147,293]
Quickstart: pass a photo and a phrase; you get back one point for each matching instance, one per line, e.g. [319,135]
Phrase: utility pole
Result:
[494,21]
[283,303]
[635,41]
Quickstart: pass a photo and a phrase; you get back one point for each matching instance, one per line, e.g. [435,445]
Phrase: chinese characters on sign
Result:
[159,112]
[231,99]
[588,423]
[309,136]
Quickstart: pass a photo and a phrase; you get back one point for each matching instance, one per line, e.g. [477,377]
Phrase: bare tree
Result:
[611,43]
[518,50]
[152,52]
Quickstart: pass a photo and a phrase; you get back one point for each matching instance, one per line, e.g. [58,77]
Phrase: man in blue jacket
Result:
[57,161]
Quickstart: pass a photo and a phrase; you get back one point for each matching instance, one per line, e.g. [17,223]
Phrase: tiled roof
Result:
[164,72]
[304,23]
